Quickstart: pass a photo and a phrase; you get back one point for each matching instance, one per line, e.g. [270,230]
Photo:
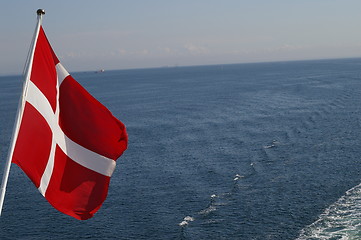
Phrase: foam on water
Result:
[216,201]
[186,220]
[341,220]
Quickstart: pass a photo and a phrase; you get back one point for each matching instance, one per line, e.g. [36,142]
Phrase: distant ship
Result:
[100,71]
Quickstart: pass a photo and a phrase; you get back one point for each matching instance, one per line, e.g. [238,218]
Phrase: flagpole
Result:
[28,65]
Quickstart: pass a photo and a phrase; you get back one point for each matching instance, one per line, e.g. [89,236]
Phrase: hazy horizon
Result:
[88,35]
[97,70]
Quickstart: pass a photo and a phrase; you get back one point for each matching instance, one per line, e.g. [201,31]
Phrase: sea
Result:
[258,151]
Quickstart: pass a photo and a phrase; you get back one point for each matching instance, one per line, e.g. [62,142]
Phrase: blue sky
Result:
[119,34]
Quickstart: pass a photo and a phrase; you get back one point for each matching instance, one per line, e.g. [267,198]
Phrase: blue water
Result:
[247,151]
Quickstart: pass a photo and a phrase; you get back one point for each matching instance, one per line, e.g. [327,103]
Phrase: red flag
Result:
[67,142]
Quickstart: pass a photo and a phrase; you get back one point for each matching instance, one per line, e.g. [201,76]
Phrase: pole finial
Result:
[40,12]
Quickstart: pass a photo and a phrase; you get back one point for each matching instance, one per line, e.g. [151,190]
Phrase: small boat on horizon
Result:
[100,71]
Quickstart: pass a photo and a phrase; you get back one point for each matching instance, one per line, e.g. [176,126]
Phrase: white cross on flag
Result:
[67,142]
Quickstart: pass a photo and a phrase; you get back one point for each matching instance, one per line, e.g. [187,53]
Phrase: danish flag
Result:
[67,142]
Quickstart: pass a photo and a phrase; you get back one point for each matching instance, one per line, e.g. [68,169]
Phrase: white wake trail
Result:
[341,220]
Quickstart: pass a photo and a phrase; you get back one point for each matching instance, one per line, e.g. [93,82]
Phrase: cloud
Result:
[70,54]
[118,52]
[196,50]
[167,50]
[144,52]
[287,47]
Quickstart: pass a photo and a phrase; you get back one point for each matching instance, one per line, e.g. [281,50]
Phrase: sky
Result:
[123,34]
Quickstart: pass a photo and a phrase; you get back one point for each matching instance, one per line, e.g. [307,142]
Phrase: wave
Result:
[341,220]
[217,201]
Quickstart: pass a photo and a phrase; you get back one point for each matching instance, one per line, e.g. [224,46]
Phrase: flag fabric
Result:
[67,142]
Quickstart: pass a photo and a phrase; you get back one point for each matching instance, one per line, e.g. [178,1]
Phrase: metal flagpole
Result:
[27,71]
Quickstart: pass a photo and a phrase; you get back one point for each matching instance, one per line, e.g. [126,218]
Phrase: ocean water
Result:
[246,151]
